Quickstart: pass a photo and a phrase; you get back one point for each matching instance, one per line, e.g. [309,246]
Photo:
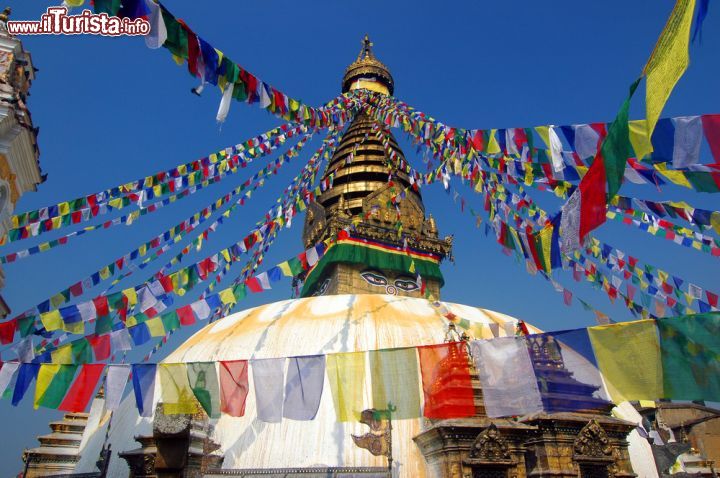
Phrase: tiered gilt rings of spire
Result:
[360,167]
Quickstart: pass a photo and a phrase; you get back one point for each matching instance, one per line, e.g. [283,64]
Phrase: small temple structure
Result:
[19,154]
[361,295]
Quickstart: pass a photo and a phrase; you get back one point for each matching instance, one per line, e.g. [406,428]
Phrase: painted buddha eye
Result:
[406,284]
[322,287]
[374,278]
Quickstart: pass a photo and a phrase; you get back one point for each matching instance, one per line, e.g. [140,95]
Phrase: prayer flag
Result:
[117,378]
[7,373]
[53,381]
[201,309]
[394,377]
[628,355]
[7,331]
[203,381]
[143,378]
[446,381]
[233,387]
[175,393]
[688,136]
[346,375]
[268,378]
[690,351]
[82,389]
[303,387]
[668,61]
[25,376]
[569,351]
[506,374]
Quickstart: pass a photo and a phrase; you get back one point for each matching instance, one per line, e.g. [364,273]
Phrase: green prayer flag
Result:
[170,321]
[103,325]
[394,375]
[177,38]
[616,148]
[111,7]
[690,353]
[204,384]
[81,351]
[53,382]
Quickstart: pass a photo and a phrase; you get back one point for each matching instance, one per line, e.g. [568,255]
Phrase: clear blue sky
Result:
[110,110]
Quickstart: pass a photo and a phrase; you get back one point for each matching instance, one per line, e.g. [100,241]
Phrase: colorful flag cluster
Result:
[212,66]
[675,358]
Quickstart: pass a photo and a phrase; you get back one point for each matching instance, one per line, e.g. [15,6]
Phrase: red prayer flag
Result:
[100,345]
[711,128]
[101,306]
[253,284]
[233,387]
[83,388]
[7,331]
[712,298]
[593,197]
[446,381]
[186,316]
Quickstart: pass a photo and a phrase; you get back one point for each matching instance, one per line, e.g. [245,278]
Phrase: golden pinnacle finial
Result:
[366,48]
[369,68]
[5,14]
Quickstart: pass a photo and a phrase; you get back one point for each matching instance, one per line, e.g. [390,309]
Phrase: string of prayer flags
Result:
[303,387]
[394,378]
[346,376]
[446,381]
[268,380]
[506,376]
[241,154]
[233,387]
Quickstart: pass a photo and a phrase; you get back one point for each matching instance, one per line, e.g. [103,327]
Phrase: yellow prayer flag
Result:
[544,133]
[675,177]
[668,61]
[285,268]
[156,327]
[346,374]
[62,355]
[131,296]
[77,328]
[493,147]
[64,208]
[227,297]
[639,138]
[628,356]
[175,393]
[104,272]
[45,376]
[394,376]
[51,320]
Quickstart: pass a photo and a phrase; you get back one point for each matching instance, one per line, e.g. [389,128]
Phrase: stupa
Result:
[363,295]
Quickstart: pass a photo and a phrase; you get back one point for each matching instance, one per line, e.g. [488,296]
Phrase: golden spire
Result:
[368,72]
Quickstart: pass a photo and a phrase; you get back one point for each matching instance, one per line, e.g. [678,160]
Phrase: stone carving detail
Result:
[490,446]
[593,441]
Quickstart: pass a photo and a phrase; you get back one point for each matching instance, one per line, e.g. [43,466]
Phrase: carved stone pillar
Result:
[180,447]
